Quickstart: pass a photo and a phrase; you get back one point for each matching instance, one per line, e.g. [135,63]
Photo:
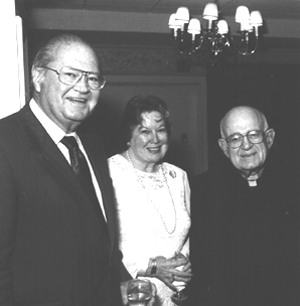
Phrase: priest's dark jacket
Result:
[244,240]
[55,247]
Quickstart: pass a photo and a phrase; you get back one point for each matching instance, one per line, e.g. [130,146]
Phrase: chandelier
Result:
[215,41]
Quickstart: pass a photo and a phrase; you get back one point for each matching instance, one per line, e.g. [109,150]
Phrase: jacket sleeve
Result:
[125,275]
[8,223]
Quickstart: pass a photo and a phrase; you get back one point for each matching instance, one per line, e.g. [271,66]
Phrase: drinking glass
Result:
[139,292]
[179,296]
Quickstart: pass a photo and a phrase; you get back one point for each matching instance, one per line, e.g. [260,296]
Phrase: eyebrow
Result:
[81,70]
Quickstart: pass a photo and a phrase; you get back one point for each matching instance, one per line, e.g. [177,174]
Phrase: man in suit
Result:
[244,225]
[58,244]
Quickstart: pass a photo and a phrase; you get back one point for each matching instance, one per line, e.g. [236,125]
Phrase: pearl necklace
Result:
[145,189]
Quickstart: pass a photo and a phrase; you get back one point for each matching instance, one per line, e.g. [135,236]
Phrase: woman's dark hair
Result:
[134,110]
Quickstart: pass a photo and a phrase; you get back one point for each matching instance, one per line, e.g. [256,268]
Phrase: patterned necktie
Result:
[80,167]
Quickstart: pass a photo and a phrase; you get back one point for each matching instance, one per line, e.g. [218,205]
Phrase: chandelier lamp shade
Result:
[215,40]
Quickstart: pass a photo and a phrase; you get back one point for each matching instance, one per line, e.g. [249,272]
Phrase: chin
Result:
[250,166]
[79,116]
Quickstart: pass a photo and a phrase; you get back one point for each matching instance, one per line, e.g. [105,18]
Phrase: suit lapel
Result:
[49,155]
[51,158]
[55,164]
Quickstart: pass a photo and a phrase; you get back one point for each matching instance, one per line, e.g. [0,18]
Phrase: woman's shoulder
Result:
[117,161]
[114,158]
[173,170]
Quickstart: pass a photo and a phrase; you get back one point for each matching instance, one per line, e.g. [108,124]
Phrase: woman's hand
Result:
[167,271]
[185,268]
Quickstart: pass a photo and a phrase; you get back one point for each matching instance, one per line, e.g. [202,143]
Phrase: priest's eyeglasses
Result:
[71,76]
[236,140]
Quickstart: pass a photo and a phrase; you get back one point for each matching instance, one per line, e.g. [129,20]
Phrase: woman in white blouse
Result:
[153,200]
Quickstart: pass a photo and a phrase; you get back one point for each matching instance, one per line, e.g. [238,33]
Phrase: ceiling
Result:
[275,9]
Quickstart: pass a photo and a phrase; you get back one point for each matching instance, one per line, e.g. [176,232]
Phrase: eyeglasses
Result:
[236,140]
[71,76]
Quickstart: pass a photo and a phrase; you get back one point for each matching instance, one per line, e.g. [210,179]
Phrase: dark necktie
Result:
[82,171]
[80,167]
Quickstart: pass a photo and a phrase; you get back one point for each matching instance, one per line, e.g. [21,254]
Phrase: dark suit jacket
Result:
[54,249]
[244,239]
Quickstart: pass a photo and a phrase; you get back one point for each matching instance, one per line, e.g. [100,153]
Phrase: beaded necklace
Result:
[145,189]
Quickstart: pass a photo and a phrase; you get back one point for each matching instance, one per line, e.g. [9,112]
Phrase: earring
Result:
[128,144]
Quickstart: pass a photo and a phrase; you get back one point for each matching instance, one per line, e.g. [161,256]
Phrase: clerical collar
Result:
[252,180]
[252,183]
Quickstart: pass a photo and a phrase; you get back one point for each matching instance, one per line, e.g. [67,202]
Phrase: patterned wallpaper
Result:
[140,60]
[156,60]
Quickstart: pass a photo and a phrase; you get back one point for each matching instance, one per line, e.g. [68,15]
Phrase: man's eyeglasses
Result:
[71,76]
[236,140]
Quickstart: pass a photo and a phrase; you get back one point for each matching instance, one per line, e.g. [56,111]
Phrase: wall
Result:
[183,96]
[143,59]
[11,61]
[88,20]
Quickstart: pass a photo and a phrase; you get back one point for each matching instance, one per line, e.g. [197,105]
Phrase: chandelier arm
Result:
[247,53]
[200,44]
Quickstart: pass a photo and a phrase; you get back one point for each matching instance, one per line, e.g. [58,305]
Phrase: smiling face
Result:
[149,141]
[68,106]
[249,158]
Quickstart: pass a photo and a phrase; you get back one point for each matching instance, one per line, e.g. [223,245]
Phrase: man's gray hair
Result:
[47,53]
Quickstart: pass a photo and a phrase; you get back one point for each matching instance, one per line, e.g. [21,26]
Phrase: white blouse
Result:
[154,216]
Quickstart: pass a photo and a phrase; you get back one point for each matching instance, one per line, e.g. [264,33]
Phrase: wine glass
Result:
[139,292]
[179,296]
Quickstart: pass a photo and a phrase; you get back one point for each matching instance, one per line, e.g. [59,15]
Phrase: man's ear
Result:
[224,147]
[37,75]
[270,135]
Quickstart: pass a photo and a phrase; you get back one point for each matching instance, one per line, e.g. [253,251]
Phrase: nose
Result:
[155,138]
[82,84]
[247,144]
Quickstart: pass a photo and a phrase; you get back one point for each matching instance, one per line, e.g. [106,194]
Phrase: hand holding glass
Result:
[139,292]
[179,297]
